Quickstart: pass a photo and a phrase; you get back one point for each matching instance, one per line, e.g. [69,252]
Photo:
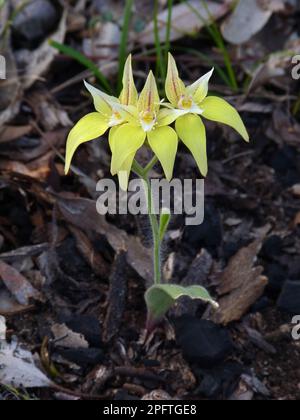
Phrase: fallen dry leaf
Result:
[240,285]
[2,328]
[11,90]
[94,258]
[9,305]
[39,169]
[104,46]
[24,252]
[277,65]
[68,338]
[18,368]
[50,141]
[83,214]
[296,221]
[283,129]
[273,5]
[295,190]
[12,132]
[36,63]
[187,18]
[17,284]
[48,111]
[17,365]
[248,19]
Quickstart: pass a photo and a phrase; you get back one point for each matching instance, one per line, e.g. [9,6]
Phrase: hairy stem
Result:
[143,173]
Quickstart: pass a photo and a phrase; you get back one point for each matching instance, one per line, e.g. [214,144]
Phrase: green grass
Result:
[160,59]
[217,37]
[124,39]
[168,32]
[12,17]
[208,60]
[86,62]
[296,107]
[162,50]
[13,393]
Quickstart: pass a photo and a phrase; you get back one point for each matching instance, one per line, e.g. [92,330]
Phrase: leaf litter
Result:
[64,266]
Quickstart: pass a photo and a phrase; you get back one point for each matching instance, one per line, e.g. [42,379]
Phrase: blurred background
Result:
[65,270]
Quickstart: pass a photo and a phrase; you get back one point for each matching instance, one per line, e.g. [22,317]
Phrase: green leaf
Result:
[82,59]
[160,298]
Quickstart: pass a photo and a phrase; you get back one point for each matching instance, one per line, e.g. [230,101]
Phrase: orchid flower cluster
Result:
[134,120]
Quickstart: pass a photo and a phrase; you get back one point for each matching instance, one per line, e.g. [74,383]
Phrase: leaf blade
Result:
[160,298]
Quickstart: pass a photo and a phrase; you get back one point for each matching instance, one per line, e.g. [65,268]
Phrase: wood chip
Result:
[93,258]
[68,338]
[241,284]
[197,275]
[83,214]
[116,298]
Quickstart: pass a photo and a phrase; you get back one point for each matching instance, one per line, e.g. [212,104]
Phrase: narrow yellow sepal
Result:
[129,94]
[199,89]
[175,87]
[149,98]
[103,103]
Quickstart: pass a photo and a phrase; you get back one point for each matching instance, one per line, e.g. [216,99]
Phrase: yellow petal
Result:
[168,115]
[126,140]
[149,98]
[174,85]
[217,109]
[191,131]
[88,128]
[111,137]
[199,89]
[129,94]
[124,173]
[102,102]
[164,143]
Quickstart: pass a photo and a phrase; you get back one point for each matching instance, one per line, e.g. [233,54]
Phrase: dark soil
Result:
[91,288]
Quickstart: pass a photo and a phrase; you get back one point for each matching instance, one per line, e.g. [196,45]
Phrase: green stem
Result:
[150,165]
[155,235]
[143,173]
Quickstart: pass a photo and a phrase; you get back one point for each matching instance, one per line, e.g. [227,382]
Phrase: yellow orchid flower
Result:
[145,120]
[107,114]
[187,106]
